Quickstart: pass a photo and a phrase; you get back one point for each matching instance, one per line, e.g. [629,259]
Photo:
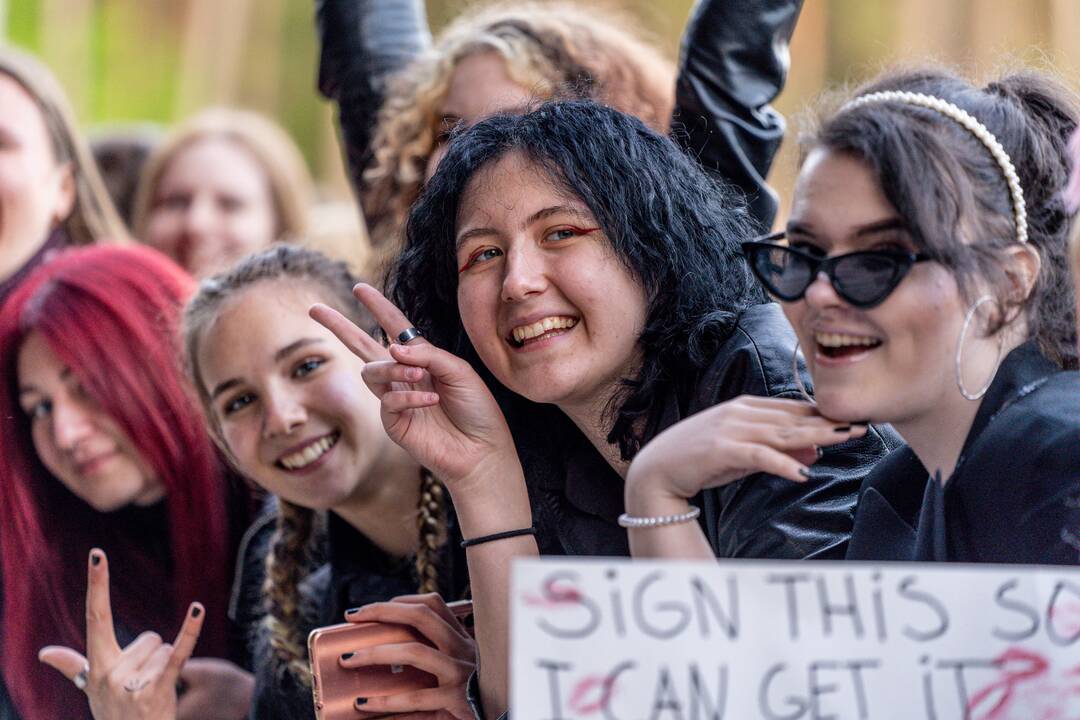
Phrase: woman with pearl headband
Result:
[925,271]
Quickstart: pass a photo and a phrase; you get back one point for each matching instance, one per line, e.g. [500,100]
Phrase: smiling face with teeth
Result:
[894,362]
[548,306]
[288,399]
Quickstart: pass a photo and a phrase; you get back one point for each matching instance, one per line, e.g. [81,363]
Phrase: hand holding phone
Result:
[411,654]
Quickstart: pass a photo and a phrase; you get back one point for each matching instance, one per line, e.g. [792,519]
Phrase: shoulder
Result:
[755,359]
[1040,429]
[1031,448]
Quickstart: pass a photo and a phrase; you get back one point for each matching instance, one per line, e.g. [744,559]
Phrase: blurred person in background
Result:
[399,95]
[120,153]
[222,185]
[104,446]
[51,194]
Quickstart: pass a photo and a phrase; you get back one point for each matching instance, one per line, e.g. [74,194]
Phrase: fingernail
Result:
[820,452]
[413,373]
[196,611]
[95,558]
[805,472]
[842,429]
[352,611]
[361,701]
[346,656]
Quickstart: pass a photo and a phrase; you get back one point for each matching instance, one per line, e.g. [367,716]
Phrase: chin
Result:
[845,405]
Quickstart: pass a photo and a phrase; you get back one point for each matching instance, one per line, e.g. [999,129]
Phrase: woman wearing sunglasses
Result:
[924,269]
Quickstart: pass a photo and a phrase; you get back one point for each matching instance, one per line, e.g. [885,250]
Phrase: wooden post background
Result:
[129,60]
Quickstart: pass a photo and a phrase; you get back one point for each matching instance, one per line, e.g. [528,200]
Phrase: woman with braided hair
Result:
[356,521]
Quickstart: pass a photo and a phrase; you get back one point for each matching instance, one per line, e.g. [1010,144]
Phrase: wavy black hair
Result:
[947,186]
[675,229]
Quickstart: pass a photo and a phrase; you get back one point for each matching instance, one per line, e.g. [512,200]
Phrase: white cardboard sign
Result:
[609,639]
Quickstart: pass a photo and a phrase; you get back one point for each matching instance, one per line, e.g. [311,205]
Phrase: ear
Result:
[66,193]
[1022,264]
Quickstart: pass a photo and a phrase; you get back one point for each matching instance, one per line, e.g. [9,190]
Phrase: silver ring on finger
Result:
[82,677]
[409,333]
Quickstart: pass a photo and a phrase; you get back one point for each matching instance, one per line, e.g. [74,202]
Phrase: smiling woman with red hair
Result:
[103,446]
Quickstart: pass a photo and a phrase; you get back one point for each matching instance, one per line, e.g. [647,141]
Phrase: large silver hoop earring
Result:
[798,378]
[960,353]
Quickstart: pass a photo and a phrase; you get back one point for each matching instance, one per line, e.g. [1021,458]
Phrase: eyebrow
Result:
[27,389]
[536,216]
[879,226]
[278,356]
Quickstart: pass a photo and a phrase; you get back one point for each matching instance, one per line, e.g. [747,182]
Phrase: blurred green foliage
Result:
[126,61]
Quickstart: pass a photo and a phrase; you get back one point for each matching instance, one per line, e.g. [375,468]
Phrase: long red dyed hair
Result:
[111,315]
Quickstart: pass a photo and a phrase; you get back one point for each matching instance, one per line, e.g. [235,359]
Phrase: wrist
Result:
[648,496]
[492,499]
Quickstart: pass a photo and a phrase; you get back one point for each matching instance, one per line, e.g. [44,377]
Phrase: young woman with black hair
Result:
[587,272]
[925,270]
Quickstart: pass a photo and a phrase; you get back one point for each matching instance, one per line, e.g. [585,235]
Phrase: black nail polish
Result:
[346,656]
[352,611]
[361,701]
[196,611]
[820,452]
[805,472]
[95,559]
[842,429]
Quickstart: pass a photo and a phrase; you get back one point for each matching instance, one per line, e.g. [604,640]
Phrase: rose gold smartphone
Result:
[335,688]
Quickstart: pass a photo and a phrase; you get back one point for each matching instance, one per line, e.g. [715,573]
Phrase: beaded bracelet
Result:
[628,521]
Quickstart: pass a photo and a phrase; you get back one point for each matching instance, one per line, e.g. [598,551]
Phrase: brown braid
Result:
[287,564]
[431,522]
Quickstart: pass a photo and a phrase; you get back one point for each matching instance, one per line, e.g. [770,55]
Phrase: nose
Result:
[283,413]
[821,293]
[524,274]
[71,424]
[199,215]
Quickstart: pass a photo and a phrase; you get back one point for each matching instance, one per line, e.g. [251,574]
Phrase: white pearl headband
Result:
[977,129]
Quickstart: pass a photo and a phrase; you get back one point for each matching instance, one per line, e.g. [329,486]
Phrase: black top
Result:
[577,496]
[1014,496]
[56,241]
[356,572]
[733,63]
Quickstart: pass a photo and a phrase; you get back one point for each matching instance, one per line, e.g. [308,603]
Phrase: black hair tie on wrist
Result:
[498,536]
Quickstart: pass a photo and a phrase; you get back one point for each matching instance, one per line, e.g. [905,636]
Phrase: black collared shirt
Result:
[1014,496]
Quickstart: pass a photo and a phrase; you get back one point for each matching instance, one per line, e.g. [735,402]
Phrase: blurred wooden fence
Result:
[159,60]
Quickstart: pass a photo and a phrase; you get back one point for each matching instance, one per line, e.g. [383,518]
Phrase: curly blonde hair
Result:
[549,48]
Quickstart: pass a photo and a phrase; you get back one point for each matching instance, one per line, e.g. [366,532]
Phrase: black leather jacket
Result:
[1014,496]
[733,63]
[577,496]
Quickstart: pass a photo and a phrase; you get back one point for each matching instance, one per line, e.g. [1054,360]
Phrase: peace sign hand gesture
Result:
[130,684]
[433,403]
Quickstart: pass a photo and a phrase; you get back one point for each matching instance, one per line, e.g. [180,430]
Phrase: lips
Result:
[89,466]
[308,453]
[545,327]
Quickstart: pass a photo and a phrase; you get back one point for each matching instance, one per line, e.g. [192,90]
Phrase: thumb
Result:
[68,662]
